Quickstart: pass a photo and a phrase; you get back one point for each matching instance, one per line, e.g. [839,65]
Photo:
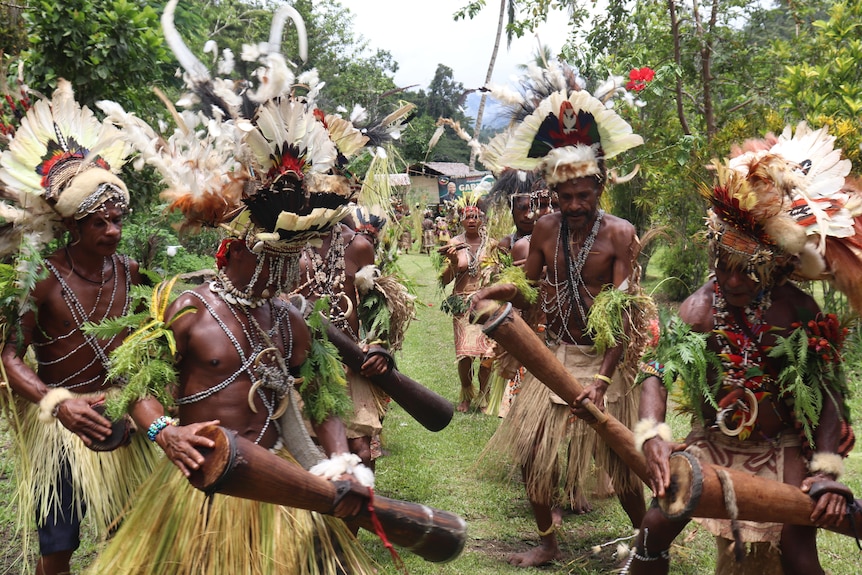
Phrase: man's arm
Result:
[74,413]
[625,243]
[651,433]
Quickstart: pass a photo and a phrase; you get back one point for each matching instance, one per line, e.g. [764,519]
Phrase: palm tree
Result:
[506,6]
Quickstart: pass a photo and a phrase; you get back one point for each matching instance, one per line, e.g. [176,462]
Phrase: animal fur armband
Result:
[51,401]
[828,463]
[646,429]
[344,463]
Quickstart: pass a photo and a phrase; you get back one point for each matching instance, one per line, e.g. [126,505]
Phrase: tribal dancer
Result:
[569,135]
[61,168]
[243,354]
[468,256]
[528,199]
[342,268]
[780,211]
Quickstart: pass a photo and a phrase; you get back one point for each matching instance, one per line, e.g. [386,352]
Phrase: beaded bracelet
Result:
[158,425]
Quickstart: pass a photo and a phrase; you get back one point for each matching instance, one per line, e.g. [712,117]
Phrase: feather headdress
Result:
[568,136]
[61,163]
[559,127]
[200,162]
[299,193]
[788,204]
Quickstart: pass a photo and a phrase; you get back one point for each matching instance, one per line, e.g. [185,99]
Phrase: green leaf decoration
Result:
[454,305]
[516,275]
[144,362]
[324,387]
[607,317]
[808,376]
[17,281]
[687,361]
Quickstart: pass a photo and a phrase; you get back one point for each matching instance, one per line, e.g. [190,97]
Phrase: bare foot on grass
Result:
[535,557]
[464,407]
[580,506]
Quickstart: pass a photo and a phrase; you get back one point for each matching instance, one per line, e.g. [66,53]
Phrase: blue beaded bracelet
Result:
[158,425]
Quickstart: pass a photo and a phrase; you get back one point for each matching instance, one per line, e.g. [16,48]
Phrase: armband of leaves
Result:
[814,369]
[516,276]
[606,323]
[324,386]
[686,360]
[386,308]
[144,362]
[455,305]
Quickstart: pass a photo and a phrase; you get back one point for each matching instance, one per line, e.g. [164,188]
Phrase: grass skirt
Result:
[173,530]
[103,481]
[563,453]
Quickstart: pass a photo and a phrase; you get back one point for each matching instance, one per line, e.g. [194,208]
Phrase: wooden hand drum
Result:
[682,497]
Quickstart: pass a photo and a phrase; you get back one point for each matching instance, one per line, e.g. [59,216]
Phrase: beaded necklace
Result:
[568,289]
[742,359]
[474,259]
[80,317]
[224,288]
[264,364]
[326,279]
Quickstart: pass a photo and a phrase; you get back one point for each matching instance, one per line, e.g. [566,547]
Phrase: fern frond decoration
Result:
[612,310]
[687,361]
[814,370]
[324,386]
[438,261]
[145,359]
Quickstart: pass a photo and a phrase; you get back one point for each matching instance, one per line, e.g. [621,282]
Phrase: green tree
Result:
[822,82]
[106,48]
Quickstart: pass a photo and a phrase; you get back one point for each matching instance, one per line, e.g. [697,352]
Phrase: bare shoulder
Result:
[696,310]
[546,226]
[187,299]
[788,296]
[134,271]
[622,231]
[48,286]
[360,248]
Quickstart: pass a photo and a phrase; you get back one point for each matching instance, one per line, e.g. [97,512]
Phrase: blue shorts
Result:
[61,529]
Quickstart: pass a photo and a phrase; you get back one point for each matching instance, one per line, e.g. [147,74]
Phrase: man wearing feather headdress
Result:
[60,170]
[568,134]
[244,355]
[772,400]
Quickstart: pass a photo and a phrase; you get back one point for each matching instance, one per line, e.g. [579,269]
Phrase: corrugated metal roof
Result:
[451,169]
[396,179]
[399,180]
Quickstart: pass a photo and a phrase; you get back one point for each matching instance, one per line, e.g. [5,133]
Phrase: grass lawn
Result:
[440,470]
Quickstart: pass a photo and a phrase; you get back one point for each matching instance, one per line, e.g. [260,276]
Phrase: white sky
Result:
[422,33]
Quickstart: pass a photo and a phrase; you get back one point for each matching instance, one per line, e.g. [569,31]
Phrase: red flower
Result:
[221,254]
[639,78]
[654,331]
